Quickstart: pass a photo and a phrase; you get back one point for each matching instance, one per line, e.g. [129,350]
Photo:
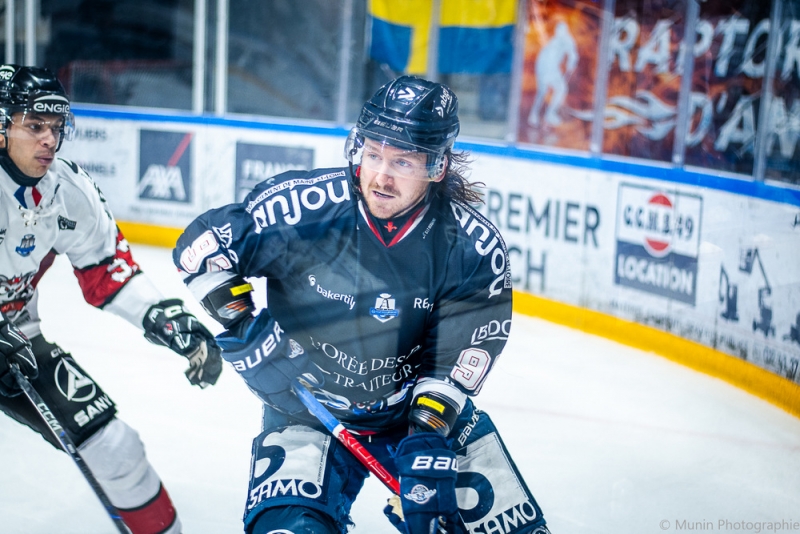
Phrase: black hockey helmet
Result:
[33,90]
[411,113]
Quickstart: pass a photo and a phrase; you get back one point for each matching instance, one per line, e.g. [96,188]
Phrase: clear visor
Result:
[37,125]
[403,160]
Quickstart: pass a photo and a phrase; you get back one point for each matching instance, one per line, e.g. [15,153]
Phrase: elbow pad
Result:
[230,302]
[433,411]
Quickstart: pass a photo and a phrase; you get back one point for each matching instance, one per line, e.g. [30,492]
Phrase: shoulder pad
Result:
[72,165]
[290,196]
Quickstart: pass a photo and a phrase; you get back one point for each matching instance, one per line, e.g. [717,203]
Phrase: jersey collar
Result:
[395,229]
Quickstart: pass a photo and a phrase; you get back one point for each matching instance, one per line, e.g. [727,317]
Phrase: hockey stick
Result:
[67,445]
[351,443]
[344,436]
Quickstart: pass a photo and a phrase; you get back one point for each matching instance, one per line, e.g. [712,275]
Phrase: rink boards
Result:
[702,269]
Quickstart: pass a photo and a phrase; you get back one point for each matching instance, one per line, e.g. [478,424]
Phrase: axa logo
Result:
[165,163]
[264,209]
[162,182]
[384,309]
[72,383]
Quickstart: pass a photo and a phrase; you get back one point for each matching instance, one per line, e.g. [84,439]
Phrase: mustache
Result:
[386,190]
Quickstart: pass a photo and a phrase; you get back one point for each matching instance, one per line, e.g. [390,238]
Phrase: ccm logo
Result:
[439,463]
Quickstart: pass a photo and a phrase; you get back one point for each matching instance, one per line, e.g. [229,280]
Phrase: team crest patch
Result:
[295,349]
[420,494]
[66,224]
[27,245]
[384,308]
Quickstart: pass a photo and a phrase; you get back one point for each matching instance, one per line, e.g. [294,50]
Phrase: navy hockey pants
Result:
[303,480]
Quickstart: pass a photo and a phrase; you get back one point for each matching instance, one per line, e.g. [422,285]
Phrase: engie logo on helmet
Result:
[51,104]
[6,72]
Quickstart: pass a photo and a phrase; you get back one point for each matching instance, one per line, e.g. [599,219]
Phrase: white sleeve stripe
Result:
[132,301]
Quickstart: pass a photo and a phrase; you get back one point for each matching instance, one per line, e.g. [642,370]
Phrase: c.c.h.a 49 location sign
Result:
[658,239]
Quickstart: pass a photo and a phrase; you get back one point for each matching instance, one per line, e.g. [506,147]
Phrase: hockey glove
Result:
[14,349]
[428,471]
[169,324]
[269,361]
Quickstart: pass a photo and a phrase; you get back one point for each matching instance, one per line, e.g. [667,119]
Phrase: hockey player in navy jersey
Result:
[390,295]
[51,206]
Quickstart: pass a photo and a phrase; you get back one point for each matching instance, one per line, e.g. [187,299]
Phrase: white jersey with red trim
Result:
[379,312]
[65,213]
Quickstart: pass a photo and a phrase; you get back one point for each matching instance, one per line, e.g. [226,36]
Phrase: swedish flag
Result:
[475,36]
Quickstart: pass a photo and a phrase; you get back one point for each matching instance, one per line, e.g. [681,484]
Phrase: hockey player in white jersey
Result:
[51,206]
[391,295]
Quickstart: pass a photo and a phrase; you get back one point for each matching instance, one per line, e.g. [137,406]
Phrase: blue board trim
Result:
[637,168]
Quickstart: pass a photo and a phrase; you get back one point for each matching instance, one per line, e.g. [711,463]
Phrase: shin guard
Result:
[117,459]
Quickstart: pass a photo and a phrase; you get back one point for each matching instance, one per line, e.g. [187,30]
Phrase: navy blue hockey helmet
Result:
[34,90]
[410,113]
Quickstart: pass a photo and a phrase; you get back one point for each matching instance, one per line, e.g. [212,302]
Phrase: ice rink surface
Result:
[611,440]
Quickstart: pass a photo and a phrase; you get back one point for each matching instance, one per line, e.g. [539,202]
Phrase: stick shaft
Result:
[67,445]
[345,437]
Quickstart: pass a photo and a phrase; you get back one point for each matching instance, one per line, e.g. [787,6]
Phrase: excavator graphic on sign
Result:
[728,293]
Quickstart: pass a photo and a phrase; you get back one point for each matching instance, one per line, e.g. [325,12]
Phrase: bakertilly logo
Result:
[264,207]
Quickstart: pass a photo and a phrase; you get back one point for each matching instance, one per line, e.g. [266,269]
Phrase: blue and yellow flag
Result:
[475,36]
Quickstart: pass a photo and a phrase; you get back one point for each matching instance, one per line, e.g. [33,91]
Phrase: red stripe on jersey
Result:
[102,281]
[153,517]
[46,263]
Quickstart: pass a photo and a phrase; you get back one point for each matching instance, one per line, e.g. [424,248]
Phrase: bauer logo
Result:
[165,166]
[256,163]
[658,238]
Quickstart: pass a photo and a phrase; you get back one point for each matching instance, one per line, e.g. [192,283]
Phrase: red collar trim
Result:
[410,223]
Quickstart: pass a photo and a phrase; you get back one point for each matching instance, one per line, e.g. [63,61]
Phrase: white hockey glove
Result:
[169,324]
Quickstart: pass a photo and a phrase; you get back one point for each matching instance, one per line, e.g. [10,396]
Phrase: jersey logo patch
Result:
[27,245]
[74,385]
[66,224]
[384,309]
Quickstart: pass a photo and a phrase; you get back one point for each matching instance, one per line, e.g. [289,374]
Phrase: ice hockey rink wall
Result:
[703,269]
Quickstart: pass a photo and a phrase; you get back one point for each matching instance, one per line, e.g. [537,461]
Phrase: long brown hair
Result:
[455,184]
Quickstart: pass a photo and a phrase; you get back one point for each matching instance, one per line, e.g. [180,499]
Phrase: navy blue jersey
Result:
[432,303]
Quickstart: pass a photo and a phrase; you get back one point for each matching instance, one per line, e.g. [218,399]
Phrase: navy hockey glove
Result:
[14,348]
[269,361]
[428,471]
[169,324]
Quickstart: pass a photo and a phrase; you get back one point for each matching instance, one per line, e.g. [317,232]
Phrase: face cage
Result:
[396,162]
[66,131]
